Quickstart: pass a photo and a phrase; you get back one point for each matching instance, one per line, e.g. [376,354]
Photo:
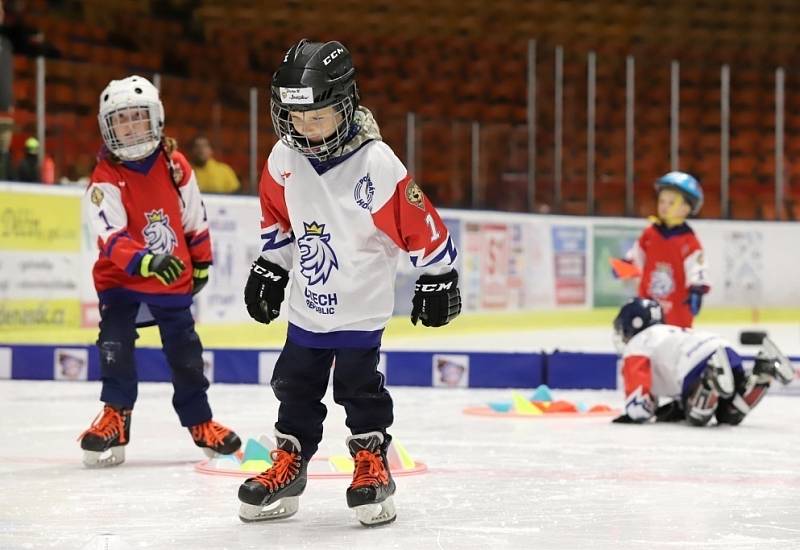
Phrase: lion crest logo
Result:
[662,281]
[158,235]
[317,258]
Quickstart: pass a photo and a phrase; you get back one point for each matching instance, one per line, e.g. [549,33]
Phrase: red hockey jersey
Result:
[153,206]
[671,261]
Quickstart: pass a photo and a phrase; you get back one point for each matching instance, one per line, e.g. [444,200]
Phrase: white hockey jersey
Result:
[657,359]
[339,233]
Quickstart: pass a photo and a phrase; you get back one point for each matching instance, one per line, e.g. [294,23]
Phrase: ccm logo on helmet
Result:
[331,56]
[434,287]
[267,273]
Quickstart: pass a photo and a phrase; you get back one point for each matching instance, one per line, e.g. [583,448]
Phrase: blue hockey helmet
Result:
[636,315]
[686,184]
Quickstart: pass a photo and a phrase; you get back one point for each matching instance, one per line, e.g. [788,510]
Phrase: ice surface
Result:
[492,483]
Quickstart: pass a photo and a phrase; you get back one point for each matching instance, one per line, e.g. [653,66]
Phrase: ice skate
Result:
[275,493]
[104,442]
[772,361]
[370,493]
[215,439]
[719,373]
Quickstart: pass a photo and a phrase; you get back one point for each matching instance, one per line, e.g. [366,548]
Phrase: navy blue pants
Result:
[181,345]
[300,381]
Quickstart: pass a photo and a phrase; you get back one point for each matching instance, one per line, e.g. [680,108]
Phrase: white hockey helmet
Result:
[131,117]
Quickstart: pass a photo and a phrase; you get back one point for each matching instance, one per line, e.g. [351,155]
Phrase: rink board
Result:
[464,369]
[402,368]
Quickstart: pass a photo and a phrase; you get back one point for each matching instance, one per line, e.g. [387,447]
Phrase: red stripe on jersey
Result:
[636,371]
[410,219]
[273,202]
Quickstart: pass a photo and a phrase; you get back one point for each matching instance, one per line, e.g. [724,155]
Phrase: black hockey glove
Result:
[624,419]
[263,293]
[437,300]
[199,277]
[670,412]
[164,267]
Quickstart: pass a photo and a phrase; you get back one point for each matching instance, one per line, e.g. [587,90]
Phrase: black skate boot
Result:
[370,493]
[275,493]
[771,361]
[215,439]
[104,442]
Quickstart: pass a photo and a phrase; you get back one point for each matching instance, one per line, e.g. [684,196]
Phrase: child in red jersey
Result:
[145,206]
[669,255]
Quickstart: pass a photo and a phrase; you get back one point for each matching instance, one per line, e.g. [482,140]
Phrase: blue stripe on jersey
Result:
[336,339]
[110,245]
[133,266]
[448,251]
[271,241]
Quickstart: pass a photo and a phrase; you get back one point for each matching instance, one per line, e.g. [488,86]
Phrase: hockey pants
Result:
[300,381]
[182,348]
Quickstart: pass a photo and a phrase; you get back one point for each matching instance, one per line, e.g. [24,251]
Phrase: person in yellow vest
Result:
[212,175]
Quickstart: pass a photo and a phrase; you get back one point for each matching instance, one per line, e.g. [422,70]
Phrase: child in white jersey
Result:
[338,207]
[699,370]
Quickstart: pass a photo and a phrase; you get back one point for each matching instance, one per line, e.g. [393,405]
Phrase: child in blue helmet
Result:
[699,371]
[668,253]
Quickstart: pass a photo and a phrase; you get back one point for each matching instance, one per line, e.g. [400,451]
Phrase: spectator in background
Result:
[29,168]
[6,168]
[212,175]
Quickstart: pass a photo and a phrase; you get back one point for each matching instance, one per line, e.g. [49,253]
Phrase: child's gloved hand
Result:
[695,299]
[199,277]
[164,267]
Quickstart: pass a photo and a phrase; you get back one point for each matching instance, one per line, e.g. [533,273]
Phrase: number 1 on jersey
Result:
[109,227]
[432,225]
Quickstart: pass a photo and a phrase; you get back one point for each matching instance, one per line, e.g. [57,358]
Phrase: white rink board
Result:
[507,262]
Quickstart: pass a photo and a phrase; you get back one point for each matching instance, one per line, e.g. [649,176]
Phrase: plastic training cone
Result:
[542,393]
[523,406]
[341,463]
[256,451]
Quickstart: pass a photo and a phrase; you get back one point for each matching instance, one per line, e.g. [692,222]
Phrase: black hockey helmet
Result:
[636,315]
[312,76]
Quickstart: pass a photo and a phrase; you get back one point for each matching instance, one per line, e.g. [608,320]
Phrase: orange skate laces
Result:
[107,424]
[209,432]
[370,470]
[284,466]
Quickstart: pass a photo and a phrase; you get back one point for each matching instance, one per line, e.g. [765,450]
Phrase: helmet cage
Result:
[343,108]
[132,145]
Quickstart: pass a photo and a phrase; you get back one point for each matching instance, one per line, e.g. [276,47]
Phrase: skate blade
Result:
[280,509]
[210,453]
[373,515]
[112,457]
[784,370]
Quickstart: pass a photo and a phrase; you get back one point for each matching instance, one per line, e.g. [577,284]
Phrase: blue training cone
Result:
[256,451]
[500,406]
[542,393]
